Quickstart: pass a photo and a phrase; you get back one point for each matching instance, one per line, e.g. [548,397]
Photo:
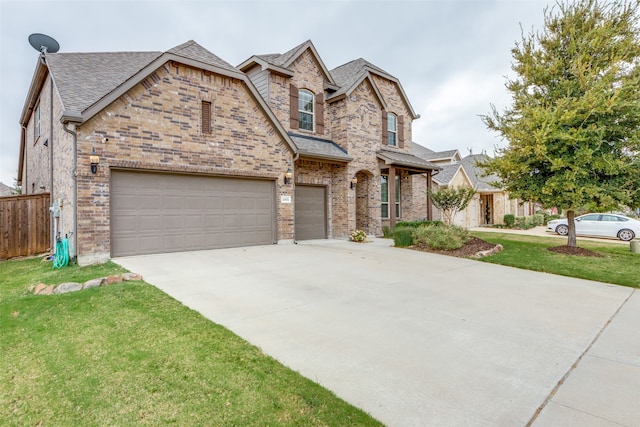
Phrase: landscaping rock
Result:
[112,279]
[132,276]
[63,288]
[93,283]
[38,288]
[47,291]
[495,250]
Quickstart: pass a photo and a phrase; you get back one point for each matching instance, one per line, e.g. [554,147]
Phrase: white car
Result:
[599,225]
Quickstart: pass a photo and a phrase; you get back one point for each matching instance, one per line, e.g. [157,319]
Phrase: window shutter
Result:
[319,113]
[206,117]
[385,128]
[400,131]
[293,100]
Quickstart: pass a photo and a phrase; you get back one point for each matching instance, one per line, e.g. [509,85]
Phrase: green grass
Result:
[618,265]
[128,354]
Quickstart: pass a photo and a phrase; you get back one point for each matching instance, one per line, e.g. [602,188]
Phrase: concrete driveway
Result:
[417,339]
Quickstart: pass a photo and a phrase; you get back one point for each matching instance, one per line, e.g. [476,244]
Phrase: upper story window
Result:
[305,109]
[392,130]
[36,123]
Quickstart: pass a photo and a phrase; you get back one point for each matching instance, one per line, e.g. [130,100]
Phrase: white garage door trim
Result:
[162,212]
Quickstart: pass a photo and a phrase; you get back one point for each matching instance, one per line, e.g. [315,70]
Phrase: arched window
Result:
[305,109]
[392,130]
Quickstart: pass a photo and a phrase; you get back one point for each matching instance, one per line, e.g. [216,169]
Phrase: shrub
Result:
[416,224]
[386,231]
[524,222]
[509,220]
[446,237]
[538,219]
[403,236]
[551,217]
[358,236]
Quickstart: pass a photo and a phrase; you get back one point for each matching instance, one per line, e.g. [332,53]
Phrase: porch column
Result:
[392,196]
[429,213]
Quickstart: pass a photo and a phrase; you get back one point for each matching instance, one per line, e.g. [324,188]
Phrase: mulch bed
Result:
[472,247]
[569,250]
[475,245]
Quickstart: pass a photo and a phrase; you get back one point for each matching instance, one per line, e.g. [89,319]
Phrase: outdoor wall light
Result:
[95,161]
[354,181]
[288,176]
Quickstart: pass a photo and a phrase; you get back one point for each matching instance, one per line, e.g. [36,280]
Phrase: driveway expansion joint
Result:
[575,364]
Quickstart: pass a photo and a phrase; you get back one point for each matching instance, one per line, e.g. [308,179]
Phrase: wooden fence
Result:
[24,225]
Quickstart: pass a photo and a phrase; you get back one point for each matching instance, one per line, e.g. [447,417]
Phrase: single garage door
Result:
[310,212]
[155,213]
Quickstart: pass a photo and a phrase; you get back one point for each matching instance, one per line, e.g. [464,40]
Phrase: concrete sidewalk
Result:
[542,232]
[420,339]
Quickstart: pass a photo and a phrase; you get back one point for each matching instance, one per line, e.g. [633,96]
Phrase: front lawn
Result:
[128,354]
[617,265]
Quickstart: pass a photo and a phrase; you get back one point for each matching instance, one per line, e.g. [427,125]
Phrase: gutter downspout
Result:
[74,174]
[43,61]
[25,181]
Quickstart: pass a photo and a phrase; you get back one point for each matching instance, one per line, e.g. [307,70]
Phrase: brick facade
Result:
[156,125]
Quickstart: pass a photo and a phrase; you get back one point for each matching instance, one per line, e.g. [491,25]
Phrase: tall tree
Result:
[574,124]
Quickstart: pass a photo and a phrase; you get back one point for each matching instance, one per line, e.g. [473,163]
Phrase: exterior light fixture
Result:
[354,181]
[288,176]
[95,161]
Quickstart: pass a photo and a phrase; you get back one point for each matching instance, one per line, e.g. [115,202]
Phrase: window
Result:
[392,130]
[36,123]
[384,196]
[206,117]
[305,109]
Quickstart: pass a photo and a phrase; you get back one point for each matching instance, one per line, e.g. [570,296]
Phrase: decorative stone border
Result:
[63,288]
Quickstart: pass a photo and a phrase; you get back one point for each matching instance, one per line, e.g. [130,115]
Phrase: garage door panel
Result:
[153,213]
[310,212]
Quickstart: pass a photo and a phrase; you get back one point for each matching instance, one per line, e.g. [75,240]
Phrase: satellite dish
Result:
[43,43]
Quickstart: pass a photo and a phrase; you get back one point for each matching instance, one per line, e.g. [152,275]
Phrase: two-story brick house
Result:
[147,152]
[352,126]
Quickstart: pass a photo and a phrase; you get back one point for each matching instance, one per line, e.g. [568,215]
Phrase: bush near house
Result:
[509,220]
[403,236]
[416,224]
[446,238]
[435,236]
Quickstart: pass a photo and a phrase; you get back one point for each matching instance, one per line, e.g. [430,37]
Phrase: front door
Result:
[486,209]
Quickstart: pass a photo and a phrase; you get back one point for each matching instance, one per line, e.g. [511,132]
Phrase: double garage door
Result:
[155,213]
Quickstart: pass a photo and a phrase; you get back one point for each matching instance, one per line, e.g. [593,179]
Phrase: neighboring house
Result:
[148,152]
[5,190]
[489,204]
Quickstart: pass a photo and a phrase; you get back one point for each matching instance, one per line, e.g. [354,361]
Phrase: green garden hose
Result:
[62,253]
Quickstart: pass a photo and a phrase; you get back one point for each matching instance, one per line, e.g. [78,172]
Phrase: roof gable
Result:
[280,63]
[349,76]
[474,171]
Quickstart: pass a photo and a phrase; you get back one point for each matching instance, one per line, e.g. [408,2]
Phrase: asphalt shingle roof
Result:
[319,147]
[481,183]
[83,79]
[446,175]
[406,159]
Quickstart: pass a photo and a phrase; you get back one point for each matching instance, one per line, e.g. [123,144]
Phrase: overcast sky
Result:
[451,57]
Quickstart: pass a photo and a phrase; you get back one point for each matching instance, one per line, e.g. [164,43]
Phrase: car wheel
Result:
[562,230]
[626,235]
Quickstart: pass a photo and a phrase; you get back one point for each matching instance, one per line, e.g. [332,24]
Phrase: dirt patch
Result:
[472,247]
[570,250]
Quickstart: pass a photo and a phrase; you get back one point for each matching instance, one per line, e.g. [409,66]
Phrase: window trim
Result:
[302,112]
[398,197]
[392,132]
